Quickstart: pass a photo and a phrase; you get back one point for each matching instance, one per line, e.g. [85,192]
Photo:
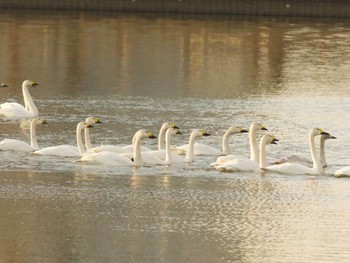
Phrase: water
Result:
[136,71]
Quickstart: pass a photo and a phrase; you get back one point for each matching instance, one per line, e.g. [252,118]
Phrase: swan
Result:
[130,148]
[3,85]
[194,134]
[296,158]
[67,150]
[90,121]
[244,164]
[253,145]
[16,110]
[166,156]
[296,168]
[203,149]
[22,146]
[114,159]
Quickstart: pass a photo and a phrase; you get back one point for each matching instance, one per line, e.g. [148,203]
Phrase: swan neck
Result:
[168,158]
[79,140]
[316,161]
[254,151]
[88,144]
[161,138]
[33,139]
[263,161]
[322,151]
[137,150]
[28,101]
[225,144]
[190,153]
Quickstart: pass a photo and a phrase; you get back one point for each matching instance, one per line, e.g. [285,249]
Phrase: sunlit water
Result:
[137,71]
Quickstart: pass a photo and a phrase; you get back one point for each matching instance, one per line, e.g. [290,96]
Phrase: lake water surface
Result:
[137,71]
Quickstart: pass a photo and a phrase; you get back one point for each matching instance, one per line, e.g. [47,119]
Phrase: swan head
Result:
[236,129]
[167,125]
[92,120]
[3,85]
[144,134]
[269,139]
[318,131]
[30,83]
[257,126]
[198,133]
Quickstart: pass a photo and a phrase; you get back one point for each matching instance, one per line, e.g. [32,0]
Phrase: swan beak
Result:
[274,141]
[333,137]
[44,122]
[3,85]
[34,84]
[97,120]
[177,132]
[174,126]
[88,125]
[324,133]
[243,130]
[263,128]
[204,133]
[151,136]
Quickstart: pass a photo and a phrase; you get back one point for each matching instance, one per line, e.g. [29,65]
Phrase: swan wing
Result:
[227,158]
[13,109]
[106,158]
[199,149]
[295,158]
[15,145]
[109,148]
[60,150]
[291,168]
[236,165]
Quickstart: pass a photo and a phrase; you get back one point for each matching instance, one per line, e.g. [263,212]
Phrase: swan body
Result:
[253,145]
[22,146]
[296,168]
[307,161]
[16,110]
[115,159]
[345,171]
[203,149]
[67,150]
[247,165]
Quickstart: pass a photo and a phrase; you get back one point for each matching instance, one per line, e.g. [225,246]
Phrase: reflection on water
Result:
[137,71]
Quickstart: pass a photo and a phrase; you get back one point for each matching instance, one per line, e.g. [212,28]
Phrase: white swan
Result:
[90,121]
[203,149]
[161,156]
[307,161]
[67,150]
[247,165]
[253,145]
[130,148]
[114,159]
[16,110]
[22,146]
[295,168]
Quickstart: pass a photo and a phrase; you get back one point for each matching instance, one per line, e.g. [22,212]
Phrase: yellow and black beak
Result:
[151,136]
[88,125]
[262,128]
[243,130]
[44,122]
[97,120]
[3,85]
[177,131]
[34,84]
[274,141]
[324,133]
[172,125]
[204,133]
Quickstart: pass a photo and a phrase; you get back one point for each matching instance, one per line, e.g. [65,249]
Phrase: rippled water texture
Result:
[137,71]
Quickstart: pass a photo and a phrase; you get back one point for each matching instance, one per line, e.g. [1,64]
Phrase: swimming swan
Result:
[67,150]
[166,156]
[296,158]
[114,159]
[253,145]
[22,146]
[203,149]
[247,165]
[295,168]
[16,110]
[3,85]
